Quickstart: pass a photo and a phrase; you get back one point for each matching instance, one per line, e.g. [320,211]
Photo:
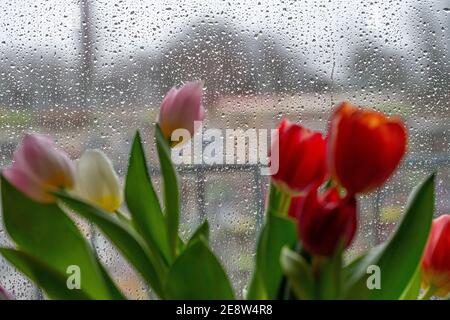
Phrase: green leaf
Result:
[196,274]
[115,291]
[275,197]
[124,219]
[45,231]
[329,281]
[143,203]
[412,290]
[353,266]
[124,238]
[399,257]
[276,233]
[51,281]
[299,274]
[201,232]
[181,245]
[171,193]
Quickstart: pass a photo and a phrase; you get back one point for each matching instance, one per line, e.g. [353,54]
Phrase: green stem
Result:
[286,292]
[274,198]
[123,218]
[428,293]
[285,201]
[278,202]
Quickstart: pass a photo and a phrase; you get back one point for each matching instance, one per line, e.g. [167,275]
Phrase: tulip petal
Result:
[39,167]
[97,182]
[364,147]
[39,158]
[26,184]
[301,158]
[325,220]
[436,259]
[181,108]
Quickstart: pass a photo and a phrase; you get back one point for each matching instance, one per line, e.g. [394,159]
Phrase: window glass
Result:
[90,72]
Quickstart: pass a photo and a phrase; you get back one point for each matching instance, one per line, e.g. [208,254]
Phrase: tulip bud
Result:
[180,108]
[295,206]
[325,221]
[39,168]
[4,295]
[436,258]
[364,147]
[298,155]
[96,181]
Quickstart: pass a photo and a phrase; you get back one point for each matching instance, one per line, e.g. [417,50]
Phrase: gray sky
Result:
[315,29]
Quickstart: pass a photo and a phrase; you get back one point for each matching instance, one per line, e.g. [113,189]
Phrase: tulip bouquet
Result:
[311,216]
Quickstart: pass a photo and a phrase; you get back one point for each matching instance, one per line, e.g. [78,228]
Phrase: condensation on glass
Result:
[90,72]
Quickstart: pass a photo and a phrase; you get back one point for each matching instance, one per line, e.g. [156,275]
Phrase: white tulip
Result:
[96,182]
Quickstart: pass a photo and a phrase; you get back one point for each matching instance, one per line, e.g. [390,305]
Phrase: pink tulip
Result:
[39,167]
[5,295]
[181,107]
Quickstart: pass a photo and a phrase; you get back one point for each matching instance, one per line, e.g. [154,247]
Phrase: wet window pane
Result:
[90,72]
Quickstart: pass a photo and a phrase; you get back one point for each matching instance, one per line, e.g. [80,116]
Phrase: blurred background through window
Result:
[90,72]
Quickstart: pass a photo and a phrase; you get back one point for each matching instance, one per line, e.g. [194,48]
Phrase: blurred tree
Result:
[285,72]
[374,67]
[434,58]
[213,52]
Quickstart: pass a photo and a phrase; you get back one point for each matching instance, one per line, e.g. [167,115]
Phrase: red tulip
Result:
[364,147]
[297,158]
[295,206]
[436,259]
[325,220]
